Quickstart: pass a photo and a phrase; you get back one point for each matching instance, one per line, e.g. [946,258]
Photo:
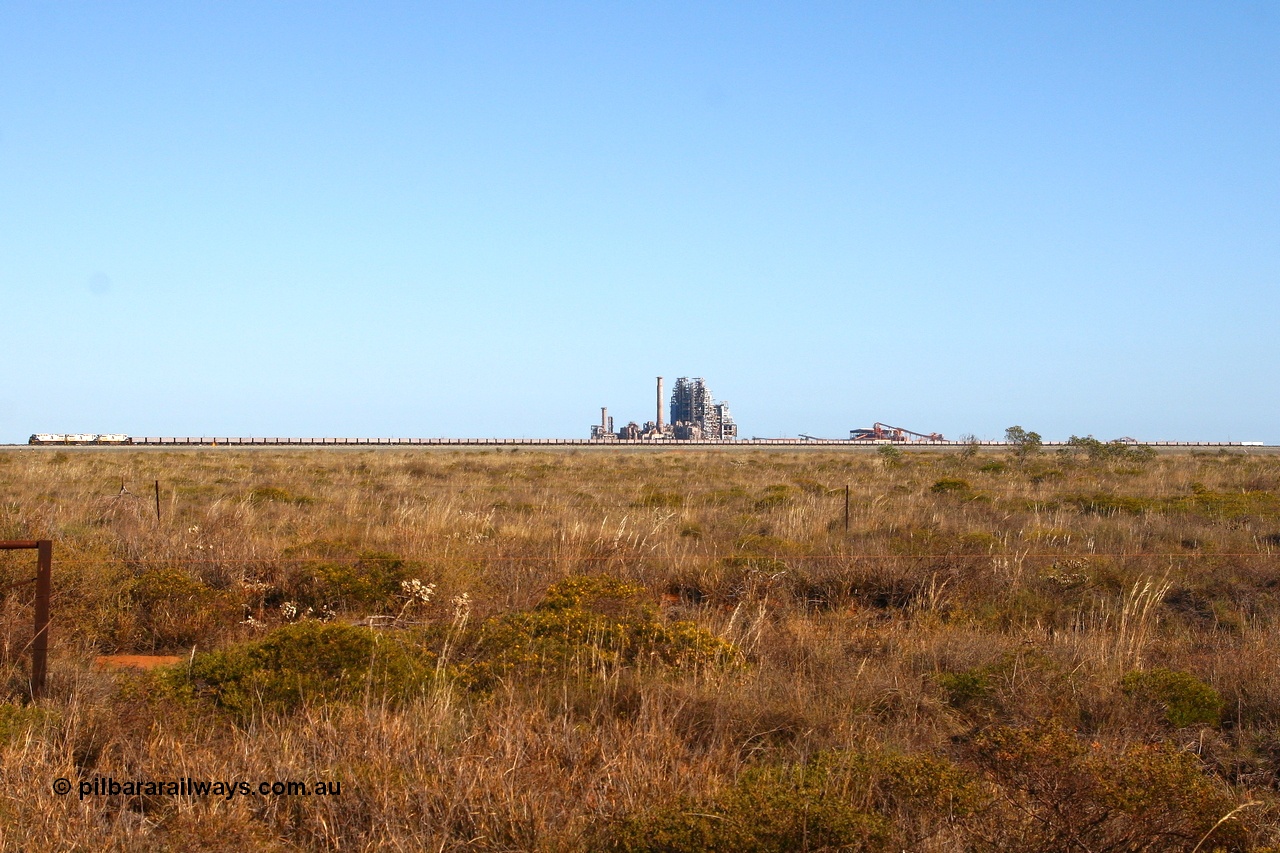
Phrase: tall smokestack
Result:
[659,404]
[604,418]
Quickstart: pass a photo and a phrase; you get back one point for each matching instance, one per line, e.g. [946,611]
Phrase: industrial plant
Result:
[894,435]
[695,416]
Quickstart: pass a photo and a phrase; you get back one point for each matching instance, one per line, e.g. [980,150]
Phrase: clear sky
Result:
[490,219]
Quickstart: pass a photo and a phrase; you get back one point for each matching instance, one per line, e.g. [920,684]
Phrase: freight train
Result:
[109,440]
[79,438]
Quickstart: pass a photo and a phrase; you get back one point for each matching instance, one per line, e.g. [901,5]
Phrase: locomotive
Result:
[79,438]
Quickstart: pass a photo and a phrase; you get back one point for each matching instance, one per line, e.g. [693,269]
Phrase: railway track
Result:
[240,441]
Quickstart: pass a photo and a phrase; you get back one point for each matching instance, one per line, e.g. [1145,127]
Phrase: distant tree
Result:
[889,454]
[1119,449]
[1089,446]
[1024,443]
[971,445]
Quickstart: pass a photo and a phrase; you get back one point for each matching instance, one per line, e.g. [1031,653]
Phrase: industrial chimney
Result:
[659,421]
[604,418]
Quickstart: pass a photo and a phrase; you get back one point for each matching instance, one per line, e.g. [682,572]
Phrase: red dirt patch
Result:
[135,661]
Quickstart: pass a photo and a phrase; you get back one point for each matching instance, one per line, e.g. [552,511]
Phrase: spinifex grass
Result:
[994,637]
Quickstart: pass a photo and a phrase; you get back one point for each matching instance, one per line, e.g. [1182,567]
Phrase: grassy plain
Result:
[670,650]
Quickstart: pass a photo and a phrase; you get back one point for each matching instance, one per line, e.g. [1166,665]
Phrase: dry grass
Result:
[976,607]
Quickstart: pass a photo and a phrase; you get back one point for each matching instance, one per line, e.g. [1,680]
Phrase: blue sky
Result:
[490,219]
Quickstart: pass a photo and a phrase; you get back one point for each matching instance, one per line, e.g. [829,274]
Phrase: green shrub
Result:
[1102,503]
[978,542]
[582,624]
[837,801]
[1230,506]
[1184,699]
[723,497]
[172,609]
[274,494]
[774,496]
[948,485]
[16,721]
[890,455]
[1017,685]
[966,689]
[371,583]
[1063,793]
[1116,450]
[659,499]
[810,486]
[297,663]
[1216,505]
[919,541]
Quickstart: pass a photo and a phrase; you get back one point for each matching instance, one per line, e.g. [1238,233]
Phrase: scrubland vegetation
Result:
[649,651]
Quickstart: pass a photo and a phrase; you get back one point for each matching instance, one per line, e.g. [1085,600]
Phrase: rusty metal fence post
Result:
[40,642]
[44,585]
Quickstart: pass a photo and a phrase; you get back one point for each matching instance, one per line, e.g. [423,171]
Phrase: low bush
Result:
[18,721]
[1183,699]
[369,584]
[837,801]
[584,624]
[297,663]
[1101,503]
[1060,792]
[776,495]
[891,456]
[275,494]
[1111,451]
[1016,686]
[172,609]
[656,499]
[1229,507]
[967,689]
[950,485]
[978,542]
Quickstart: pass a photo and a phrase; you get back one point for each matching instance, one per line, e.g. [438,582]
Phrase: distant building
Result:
[695,416]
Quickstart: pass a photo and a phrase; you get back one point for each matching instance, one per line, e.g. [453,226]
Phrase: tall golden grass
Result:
[948,674]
